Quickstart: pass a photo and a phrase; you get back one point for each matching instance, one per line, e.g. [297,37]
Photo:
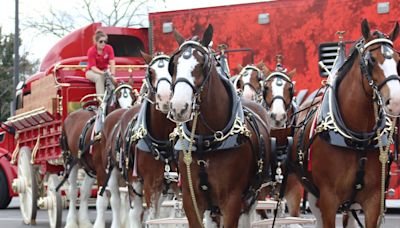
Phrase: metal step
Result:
[284,221]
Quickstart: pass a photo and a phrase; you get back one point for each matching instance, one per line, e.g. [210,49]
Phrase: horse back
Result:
[73,126]
[259,110]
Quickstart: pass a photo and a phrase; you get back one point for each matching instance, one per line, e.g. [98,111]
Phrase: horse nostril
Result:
[273,115]
[159,96]
[387,102]
[184,110]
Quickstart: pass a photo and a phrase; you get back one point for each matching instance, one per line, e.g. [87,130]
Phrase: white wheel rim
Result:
[52,211]
[24,172]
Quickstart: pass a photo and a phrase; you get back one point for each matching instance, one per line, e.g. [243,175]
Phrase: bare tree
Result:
[124,13]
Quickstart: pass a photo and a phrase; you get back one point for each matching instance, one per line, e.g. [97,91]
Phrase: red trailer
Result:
[304,32]
[31,159]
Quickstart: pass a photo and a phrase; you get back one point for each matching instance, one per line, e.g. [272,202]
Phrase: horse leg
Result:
[293,198]
[231,211]
[245,218]
[312,200]
[371,208]
[86,191]
[101,207]
[328,206]
[115,200]
[72,219]
[124,208]
[135,214]
[349,221]
[208,221]
[189,209]
[293,195]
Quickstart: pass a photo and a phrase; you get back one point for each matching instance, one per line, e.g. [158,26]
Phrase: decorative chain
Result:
[187,158]
[383,158]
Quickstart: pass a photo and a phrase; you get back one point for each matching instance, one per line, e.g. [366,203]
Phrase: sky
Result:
[39,44]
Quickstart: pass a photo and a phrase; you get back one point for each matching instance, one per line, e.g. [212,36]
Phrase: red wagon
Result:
[31,160]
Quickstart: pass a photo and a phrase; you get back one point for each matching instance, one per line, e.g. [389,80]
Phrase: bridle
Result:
[258,92]
[186,48]
[152,89]
[367,63]
[284,77]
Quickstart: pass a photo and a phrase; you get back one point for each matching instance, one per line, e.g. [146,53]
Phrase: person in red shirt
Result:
[100,57]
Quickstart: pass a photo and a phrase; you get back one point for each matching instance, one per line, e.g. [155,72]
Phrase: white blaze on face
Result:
[389,67]
[126,99]
[248,92]
[183,93]
[164,92]
[278,106]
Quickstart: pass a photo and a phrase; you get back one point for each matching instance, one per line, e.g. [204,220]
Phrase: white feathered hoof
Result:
[71,224]
[99,224]
[85,224]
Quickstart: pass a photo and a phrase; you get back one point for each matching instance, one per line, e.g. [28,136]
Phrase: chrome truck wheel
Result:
[26,186]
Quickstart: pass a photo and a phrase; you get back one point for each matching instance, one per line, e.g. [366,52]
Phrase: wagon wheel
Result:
[55,207]
[28,197]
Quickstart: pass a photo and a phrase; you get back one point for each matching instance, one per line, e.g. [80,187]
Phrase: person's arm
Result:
[96,70]
[112,66]
[112,61]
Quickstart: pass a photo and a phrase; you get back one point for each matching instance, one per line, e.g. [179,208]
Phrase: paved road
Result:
[11,218]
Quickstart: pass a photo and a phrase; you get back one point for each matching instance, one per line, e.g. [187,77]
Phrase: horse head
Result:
[124,95]
[158,80]
[379,65]
[278,95]
[249,81]
[190,68]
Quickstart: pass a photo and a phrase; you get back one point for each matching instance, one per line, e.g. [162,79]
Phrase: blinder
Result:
[368,62]
[283,77]
[160,65]
[187,47]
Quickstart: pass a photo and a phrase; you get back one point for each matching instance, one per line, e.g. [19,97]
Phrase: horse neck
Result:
[157,123]
[355,100]
[214,105]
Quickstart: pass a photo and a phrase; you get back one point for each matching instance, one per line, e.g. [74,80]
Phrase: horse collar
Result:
[227,138]
[331,127]
[161,149]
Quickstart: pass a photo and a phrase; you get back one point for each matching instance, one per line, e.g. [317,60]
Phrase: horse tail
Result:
[63,142]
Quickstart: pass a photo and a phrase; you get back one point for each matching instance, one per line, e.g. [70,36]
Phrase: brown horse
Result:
[74,131]
[280,105]
[336,153]
[224,156]
[146,145]
[249,81]
[275,91]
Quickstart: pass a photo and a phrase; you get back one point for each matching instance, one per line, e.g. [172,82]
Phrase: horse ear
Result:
[260,65]
[207,37]
[393,35]
[147,58]
[266,70]
[178,37]
[366,32]
[292,73]
[240,67]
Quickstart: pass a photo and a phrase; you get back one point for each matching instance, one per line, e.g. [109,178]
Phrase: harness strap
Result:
[253,191]
[111,165]
[205,187]
[301,161]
